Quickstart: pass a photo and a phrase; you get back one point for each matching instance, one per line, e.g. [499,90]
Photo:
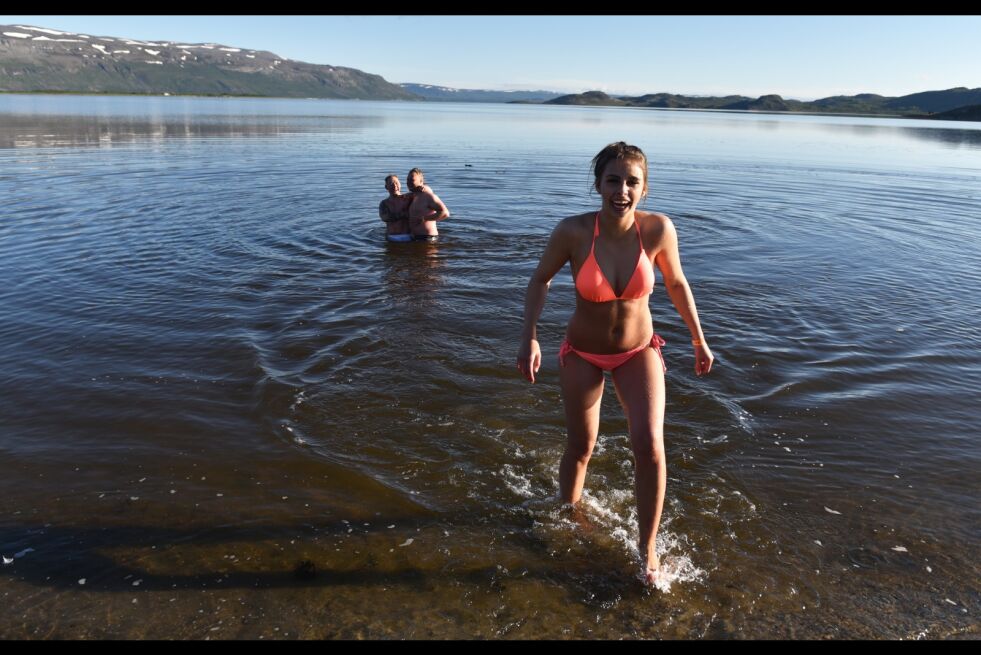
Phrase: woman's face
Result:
[622,186]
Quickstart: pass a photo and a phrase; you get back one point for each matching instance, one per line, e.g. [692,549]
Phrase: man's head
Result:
[415,180]
[393,185]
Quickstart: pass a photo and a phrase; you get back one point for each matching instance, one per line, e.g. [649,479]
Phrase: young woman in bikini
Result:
[611,329]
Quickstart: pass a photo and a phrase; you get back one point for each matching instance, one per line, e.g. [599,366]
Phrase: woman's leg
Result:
[640,386]
[582,390]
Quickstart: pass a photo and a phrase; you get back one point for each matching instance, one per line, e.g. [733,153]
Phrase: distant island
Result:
[959,103]
[41,60]
[449,94]
[970,113]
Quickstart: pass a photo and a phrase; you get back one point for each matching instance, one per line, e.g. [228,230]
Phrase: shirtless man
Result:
[394,210]
[425,210]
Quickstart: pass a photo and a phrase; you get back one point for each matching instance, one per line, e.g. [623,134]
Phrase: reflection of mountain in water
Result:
[953,136]
[971,138]
[23,131]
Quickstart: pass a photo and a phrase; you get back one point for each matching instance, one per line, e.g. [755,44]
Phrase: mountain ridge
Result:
[37,59]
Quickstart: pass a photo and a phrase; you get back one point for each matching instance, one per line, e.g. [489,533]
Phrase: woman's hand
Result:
[529,359]
[703,359]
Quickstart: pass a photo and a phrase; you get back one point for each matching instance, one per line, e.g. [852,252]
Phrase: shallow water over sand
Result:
[231,410]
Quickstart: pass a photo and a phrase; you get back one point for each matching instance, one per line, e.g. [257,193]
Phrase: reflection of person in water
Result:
[425,210]
[613,252]
[394,210]
[412,279]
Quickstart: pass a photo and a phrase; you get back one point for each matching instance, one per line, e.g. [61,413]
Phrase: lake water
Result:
[232,410]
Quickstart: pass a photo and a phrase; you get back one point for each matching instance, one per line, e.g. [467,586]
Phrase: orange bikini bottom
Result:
[610,362]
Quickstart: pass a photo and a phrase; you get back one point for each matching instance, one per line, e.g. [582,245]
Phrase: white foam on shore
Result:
[606,517]
[674,568]
[517,483]
[602,504]
[675,564]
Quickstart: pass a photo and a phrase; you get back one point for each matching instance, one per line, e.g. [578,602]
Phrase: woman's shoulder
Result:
[654,226]
[574,225]
[571,232]
[656,229]
[578,221]
[652,219]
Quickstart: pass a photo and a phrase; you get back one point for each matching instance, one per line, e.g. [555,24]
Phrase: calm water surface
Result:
[231,410]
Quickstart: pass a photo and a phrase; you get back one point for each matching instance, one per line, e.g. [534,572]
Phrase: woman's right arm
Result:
[557,253]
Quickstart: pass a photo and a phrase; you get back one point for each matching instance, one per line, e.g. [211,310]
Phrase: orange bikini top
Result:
[593,285]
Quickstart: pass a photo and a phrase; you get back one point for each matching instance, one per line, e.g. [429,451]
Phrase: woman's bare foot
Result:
[651,568]
[577,514]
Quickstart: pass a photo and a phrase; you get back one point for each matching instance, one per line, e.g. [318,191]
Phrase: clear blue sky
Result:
[803,57]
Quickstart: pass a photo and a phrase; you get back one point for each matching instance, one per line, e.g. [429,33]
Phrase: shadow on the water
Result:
[70,555]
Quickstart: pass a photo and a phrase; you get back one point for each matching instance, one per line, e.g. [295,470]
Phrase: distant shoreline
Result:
[522,103]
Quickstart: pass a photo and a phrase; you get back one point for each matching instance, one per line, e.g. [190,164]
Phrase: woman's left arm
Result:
[669,261]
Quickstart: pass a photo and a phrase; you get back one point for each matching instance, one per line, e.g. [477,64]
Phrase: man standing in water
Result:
[394,210]
[425,210]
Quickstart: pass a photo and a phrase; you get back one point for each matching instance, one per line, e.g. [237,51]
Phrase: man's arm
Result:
[436,205]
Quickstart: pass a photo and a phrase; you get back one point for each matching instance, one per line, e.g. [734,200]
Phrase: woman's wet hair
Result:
[618,151]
